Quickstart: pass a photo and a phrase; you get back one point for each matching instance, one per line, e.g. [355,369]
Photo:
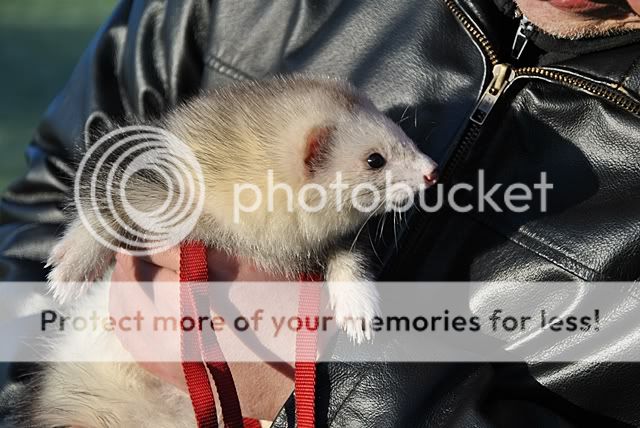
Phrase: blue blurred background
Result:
[40,42]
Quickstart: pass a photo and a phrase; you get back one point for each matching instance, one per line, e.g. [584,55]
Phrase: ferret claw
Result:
[358,330]
[354,309]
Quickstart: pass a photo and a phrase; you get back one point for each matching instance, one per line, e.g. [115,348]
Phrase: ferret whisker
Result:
[402,118]
[395,233]
[374,212]
[403,216]
[384,221]
[373,247]
[379,226]
[426,139]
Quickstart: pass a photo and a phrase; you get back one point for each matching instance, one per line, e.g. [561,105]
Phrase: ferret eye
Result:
[376,161]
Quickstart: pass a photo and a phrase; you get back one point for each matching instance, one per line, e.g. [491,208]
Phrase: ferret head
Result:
[334,159]
[369,152]
[348,143]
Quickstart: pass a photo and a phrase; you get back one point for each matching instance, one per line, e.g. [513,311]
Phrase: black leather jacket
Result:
[573,112]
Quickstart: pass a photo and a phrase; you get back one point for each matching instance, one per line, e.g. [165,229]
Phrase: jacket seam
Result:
[223,67]
[587,274]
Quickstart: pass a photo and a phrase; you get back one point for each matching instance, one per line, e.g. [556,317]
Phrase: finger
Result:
[170,372]
[135,310]
[124,269]
[126,299]
[148,272]
[169,259]
[137,269]
[222,267]
[635,5]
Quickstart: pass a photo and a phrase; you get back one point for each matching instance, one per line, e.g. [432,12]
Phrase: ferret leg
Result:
[77,260]
[352,295]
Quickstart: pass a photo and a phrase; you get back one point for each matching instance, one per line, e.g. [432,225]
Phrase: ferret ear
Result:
[318,147]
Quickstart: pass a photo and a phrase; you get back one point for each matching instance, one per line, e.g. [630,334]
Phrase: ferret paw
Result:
[74,270]
[358,329]
[68,282]
[355,305]
[65,292]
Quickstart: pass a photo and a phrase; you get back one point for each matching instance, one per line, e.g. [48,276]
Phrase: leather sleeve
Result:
[146,58]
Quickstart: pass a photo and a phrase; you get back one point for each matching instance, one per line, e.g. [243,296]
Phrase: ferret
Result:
[305,130]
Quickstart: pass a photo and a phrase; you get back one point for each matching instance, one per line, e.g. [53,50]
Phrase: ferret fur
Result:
[237,133]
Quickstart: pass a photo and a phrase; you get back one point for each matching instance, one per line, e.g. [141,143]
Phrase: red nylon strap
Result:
[221,374]
[251,423]
[306,351]
[192,269]
[195,302]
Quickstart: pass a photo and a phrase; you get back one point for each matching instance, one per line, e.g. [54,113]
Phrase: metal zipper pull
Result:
[502,75]
[525,30]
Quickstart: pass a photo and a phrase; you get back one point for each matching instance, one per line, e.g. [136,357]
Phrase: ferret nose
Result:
[431,178]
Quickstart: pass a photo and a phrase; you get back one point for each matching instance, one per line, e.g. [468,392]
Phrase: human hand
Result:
[262,387]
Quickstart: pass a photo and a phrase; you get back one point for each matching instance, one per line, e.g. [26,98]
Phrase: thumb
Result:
[635,5]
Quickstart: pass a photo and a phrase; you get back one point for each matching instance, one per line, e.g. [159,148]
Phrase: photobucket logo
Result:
[366,197]
[139,188]
[394,195]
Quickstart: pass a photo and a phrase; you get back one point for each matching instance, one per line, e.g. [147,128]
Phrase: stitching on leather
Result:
[578,269]
[227,69]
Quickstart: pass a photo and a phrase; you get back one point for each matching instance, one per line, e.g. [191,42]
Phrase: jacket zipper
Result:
[524,33]
[609,92]
[482,40]
[503,75]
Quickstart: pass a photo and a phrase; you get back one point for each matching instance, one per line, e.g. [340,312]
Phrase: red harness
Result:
[194,299]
